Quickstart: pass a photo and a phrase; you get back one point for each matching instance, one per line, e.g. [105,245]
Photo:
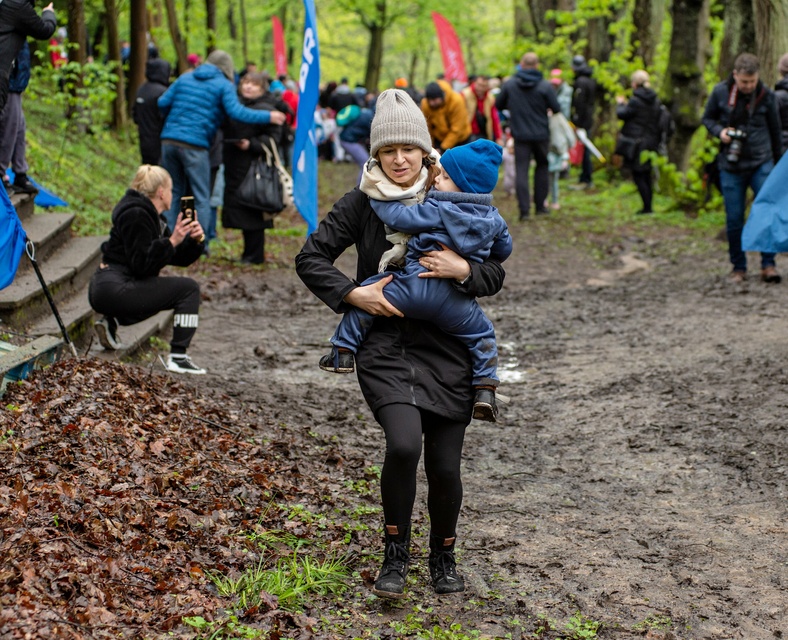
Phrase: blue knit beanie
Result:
[474,167]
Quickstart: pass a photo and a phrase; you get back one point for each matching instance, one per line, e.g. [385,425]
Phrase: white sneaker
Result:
[181,363]
[107,335]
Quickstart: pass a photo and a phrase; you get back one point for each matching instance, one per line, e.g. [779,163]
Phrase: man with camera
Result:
[742,113]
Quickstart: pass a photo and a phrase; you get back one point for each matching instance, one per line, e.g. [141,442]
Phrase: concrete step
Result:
[66,271]
[24,204]
[134,337]
[49,232]
[77,316]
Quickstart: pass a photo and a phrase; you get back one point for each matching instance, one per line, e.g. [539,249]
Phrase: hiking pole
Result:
[30,250]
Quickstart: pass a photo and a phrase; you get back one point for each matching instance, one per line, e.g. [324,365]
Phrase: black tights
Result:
[404,426]
[643,181]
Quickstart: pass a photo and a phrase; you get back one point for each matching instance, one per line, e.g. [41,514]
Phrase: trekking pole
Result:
[30,250]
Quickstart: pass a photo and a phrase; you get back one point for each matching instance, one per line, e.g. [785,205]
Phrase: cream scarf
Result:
[377,186]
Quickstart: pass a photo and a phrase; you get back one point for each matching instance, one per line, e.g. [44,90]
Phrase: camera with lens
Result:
[737,137]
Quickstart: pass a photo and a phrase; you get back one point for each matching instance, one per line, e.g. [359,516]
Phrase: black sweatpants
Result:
[404,426]
[643,181]
[113,292]
[523,152]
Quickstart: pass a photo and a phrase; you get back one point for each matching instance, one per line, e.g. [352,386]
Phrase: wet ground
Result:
[638,474]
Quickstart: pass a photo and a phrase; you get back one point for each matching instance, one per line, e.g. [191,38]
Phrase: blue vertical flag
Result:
[12,240]
[305,146]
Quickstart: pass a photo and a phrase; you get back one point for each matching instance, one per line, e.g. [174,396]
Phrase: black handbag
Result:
[262,189]
[628,148]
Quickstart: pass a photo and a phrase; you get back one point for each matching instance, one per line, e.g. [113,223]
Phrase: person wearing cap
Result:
[447,117]
[529,99]
[355,123]
[583,106]
[457,213]
[194,107]
[402,83]
[482,114]
[563,92]
[415,377]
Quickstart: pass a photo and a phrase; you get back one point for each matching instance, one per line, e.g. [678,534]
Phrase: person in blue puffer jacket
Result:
[194,107]
[457,214]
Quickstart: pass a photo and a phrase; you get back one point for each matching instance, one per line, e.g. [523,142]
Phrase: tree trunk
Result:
[139,48]
[210,23]
[244,31]
[771,36]
[231,22]
[177,39]
[647,17]
[685,90]
[739,36]
[77,41]
[113,54]
[375,52]
[523,25]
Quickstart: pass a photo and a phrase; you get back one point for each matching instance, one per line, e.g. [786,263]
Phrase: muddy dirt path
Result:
[638,475]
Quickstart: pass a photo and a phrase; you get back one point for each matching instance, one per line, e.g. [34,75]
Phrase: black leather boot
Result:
[443,566]
[396,562]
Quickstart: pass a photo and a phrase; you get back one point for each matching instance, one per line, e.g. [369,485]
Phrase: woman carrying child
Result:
[415,378]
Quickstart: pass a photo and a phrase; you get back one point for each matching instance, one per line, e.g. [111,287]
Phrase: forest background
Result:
[687,45]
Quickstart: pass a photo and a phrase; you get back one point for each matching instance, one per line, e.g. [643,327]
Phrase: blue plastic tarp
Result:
[45,198]
[766,229]
[12,240]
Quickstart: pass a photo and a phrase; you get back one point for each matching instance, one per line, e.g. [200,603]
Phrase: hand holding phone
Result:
[187,208]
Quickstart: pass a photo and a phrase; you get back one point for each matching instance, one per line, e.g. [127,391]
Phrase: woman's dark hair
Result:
[255,77]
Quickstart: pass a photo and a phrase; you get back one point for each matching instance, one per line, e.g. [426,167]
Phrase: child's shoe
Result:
[338,361]
[484,407]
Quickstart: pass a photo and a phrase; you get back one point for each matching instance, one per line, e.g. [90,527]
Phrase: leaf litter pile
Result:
[122,493]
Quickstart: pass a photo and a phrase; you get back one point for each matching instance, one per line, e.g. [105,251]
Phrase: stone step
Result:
[24,204]
[77,317]
[134,337]
[65,272]
[49,232]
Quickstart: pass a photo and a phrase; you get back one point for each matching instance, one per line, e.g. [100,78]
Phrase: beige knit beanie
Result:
[398,120]
[224,61]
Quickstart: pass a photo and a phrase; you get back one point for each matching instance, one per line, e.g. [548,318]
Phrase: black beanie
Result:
[433,91]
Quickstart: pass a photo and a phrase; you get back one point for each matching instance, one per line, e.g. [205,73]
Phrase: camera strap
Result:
[733,96]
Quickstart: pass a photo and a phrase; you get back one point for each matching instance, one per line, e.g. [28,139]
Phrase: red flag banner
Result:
[453,63]
[280,57]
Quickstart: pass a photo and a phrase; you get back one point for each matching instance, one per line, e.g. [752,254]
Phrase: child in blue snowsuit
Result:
[458,213]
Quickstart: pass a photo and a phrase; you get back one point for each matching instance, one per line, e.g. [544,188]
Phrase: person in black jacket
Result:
[415,378]
[145,110]
[583,106]
[781,94]
[528,98]
[243,143]
[743,114]
[639,133]
[18,20]
[127,288]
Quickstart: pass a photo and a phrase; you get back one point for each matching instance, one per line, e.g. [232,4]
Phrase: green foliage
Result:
[654,622]
[224,629]
[291,581]
[581,628]
[413,626]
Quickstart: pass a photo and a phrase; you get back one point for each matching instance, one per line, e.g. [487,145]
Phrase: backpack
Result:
[666,127]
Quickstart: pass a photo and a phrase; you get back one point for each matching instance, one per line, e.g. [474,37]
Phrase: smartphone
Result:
[187,208]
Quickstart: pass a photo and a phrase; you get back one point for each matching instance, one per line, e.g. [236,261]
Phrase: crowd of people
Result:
[429,240]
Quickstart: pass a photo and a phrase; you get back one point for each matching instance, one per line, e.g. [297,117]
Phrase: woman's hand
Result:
[277,117]
[185,227]
[444,264]
[370,298]
[243,145]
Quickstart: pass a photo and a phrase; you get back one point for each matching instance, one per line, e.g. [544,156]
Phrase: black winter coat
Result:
[583,99]
[402,360]
[18,20]
[139,239]
[145,110]
[641,118]
[237,162]
[528,96]
[781,95]
[764,131]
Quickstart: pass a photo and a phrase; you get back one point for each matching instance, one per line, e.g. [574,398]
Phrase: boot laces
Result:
[444,564]
[396,557]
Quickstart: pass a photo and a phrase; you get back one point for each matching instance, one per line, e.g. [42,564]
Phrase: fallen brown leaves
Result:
[119,488]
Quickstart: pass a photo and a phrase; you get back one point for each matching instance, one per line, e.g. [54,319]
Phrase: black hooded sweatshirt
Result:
[641,118]
[146,112]
[18,20]
[781,93]
[528,96]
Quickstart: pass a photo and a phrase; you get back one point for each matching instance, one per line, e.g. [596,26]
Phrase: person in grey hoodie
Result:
[529,98]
